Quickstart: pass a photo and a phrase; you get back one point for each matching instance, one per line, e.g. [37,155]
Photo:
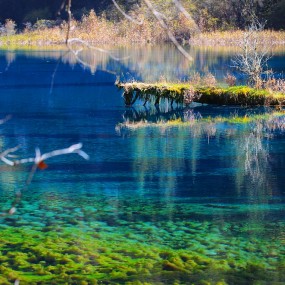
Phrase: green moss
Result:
[68,257]
[236,95]
[169,266]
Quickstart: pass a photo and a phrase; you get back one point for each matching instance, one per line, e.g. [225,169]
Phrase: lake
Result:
[170,195]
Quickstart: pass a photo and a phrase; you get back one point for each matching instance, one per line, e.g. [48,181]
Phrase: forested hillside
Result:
[208,14]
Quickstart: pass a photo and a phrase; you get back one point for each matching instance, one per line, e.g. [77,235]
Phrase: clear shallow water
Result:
[194,203]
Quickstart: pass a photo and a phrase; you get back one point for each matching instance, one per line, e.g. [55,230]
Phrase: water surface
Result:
[198,200]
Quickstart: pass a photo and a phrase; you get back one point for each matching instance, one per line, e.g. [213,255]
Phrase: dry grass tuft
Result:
[234,38]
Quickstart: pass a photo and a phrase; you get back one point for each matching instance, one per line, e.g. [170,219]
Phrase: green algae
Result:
[185,93]
[77,256]
[146,243]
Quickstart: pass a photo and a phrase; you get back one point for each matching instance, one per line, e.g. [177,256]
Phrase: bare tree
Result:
[252,61]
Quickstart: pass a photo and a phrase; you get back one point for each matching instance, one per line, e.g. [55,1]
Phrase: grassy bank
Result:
[56,37]
[99,30]
[234,38]
[184,93]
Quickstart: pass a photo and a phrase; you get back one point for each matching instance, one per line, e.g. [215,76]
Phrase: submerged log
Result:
[184,93]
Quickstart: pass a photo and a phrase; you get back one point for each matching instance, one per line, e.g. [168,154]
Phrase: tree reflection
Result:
[187,153]
[147,63]
[168,138]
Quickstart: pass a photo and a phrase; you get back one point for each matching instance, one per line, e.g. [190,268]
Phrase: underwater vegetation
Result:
[94,238]
[138,243]
[184,93]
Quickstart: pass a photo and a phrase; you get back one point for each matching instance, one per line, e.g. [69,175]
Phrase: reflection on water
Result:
[245,136]
[148,63]
[170,195]
[151,63]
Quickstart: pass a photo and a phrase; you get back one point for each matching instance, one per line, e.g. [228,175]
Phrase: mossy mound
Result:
[238,95]
[184,93]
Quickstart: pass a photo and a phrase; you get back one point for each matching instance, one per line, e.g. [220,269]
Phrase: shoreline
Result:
[55,39]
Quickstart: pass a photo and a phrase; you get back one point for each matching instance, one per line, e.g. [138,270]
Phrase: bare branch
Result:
[254,56]
[184,12]
[169,33]
[126,15]
[76,148]
[159,16]
[54,73]
[6,153]
[77,51]
[68,8]
[39,162]
[72,41]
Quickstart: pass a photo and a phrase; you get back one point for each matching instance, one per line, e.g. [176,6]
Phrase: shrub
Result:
[230,79]
[209,80]
[275,85]
[10,27]
[189,95]
[28,27]
[44,24]
[196,78]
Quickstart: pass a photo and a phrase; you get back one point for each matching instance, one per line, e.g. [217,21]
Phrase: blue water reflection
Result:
[198,203]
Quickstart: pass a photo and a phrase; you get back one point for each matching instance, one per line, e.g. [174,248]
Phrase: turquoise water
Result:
[198,199]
